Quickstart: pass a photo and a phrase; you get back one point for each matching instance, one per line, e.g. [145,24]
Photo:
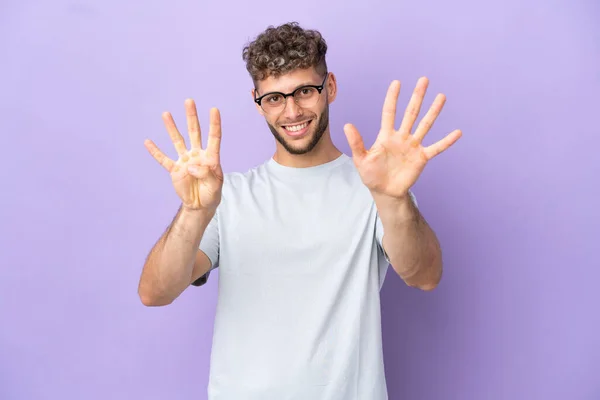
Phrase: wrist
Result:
[197,215]
[397,208]
[386,201]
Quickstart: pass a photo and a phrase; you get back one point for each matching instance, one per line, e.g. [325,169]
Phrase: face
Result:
[298,129]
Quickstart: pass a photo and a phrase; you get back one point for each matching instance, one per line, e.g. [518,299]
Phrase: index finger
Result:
[174,134]
[213,145]
[388,115]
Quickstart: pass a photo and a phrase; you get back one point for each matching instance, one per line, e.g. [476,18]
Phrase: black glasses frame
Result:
[292,94]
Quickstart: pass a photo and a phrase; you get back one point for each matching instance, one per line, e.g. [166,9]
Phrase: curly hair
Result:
[282,49]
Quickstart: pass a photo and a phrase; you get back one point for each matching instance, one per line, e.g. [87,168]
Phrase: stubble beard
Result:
[315,137]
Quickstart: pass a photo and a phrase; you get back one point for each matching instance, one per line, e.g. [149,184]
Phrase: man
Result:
[303,241]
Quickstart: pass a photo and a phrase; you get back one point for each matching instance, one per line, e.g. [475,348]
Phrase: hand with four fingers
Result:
[395,161]
[197,175]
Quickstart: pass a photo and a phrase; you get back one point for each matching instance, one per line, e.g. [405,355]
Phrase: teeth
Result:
[296,128]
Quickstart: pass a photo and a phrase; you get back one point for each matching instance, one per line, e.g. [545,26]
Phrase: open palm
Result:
[196,175]
[395,161]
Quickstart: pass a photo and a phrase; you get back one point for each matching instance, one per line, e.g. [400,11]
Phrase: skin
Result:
[305,151]
[388,169]
[174,262]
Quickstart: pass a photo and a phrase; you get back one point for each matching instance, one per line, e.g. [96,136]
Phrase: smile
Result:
[296,128]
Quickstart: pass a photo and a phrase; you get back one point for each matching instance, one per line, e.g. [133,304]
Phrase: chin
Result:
[299,146]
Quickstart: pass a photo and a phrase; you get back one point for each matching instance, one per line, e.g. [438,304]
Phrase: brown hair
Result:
[282,49]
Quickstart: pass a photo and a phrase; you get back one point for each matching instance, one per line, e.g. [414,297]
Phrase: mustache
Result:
[300,121]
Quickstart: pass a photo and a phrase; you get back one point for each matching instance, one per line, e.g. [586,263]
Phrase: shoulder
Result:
[348,168]
[237,185]
[236,179]
[348,175]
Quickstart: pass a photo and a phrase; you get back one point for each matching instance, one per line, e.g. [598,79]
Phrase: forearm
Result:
[411,245]
[168,268]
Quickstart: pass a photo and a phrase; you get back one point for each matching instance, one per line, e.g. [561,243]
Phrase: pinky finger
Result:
[443,144]
[158,155]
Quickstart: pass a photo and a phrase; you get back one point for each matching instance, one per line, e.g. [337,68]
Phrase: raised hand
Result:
[197,175]
[395,161]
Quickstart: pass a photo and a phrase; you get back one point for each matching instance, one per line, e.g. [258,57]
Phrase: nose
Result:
[291,110]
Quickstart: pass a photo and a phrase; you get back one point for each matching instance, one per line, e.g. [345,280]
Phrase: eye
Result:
[306,92]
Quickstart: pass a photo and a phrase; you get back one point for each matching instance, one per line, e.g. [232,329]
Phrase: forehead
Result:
[289,81]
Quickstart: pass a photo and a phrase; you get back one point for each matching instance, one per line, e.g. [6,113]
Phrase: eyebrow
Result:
[291,91]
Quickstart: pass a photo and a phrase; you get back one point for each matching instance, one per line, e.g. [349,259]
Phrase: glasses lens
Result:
[273,103]
[306,97]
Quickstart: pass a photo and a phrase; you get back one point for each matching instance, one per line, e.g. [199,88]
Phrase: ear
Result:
[331,87]
[258,108]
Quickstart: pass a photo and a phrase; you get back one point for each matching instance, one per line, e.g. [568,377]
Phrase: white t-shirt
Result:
[300,269]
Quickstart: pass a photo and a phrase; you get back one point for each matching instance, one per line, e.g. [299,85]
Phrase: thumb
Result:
[355,141]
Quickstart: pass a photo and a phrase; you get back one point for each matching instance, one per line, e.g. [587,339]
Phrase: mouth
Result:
[297,129]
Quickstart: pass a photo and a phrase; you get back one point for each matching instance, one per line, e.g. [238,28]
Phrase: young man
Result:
[303,241]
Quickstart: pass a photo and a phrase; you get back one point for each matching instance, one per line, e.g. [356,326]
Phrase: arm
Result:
[175,261]
[410,244]
[389,169]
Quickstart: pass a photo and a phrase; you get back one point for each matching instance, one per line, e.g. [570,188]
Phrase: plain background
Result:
[514,202]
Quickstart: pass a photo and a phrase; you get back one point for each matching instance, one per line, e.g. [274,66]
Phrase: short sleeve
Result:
[384,259]
[209,245]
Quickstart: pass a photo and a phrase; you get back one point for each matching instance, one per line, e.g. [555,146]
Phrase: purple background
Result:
[515,202]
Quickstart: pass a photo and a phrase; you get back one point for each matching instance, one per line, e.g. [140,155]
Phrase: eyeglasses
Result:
[304,96]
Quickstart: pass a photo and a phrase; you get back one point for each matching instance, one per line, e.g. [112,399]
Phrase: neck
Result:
[324,152]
